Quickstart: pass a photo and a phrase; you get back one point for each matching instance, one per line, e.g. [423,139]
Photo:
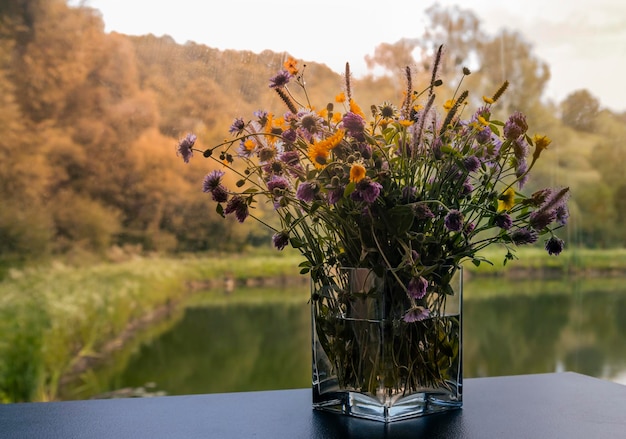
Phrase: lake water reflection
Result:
[511,327]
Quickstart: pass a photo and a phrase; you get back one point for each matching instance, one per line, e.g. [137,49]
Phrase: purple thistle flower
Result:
[307,191]
[185,147]
[417,287]
[366,190]
[277,183]
[219,194]
[524,236]
[503,220]
[212,180]
[354,125]
[453,220]
[562,214]
[520,169]
[484,135]
[280,240]
[290,136]
[520,149]
[541,218]
[471,163]
[416,314]
[280,80]
[237,127]
[335,194]
[554,246]
[261,116]
[515,126]
[422,211]
[238,206]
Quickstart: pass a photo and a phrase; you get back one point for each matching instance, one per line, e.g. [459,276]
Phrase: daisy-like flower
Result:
[357,173]
[318,154]
[506,201]
[237,127]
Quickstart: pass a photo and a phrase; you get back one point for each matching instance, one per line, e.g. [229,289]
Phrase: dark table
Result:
[557,405]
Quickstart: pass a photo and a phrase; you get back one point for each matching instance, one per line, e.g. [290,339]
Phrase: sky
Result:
[583,42]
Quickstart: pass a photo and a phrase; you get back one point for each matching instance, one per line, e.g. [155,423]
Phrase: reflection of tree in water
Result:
[228,348]
[542,333]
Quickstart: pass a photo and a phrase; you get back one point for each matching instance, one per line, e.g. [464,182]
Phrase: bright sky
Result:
[583,42]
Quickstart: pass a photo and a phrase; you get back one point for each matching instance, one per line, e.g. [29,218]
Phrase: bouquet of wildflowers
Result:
[407,191]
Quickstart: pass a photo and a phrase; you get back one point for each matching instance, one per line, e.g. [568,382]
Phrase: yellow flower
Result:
[337,117]
[291,65]
[357,173]
[249,144]
[506,201]
[482,120]
[448,104]
[340,98]
[406,123]
[354,107]
[318,154]
[541,143]
[488,100]
[332,141]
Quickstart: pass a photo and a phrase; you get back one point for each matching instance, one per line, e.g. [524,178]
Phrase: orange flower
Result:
[340,98]
[318,154]
[357,173]
[291,65]
[356,109]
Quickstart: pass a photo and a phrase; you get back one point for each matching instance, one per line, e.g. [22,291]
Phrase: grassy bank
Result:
[51,317]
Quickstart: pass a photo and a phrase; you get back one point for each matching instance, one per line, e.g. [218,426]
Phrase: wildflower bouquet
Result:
[406,193]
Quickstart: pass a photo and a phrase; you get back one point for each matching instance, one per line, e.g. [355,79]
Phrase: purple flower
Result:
[453,220]
[354,125]
[366,190]
[219,194]
[417,287]
[238,206]
[554,246]
[237,127]
[335,194]
[515,126]
[524,236]
[520,149]
[290,136]
[280,80]
[280,240]
[212,184]
[307,191]
[541,218]
[471,163]
[484,135]
[416,314]
[212,180]
[503,220]
[277,185]
[422,211]
[185,147]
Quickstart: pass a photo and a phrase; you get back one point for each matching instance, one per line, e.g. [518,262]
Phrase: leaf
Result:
[349,189]
[220,210]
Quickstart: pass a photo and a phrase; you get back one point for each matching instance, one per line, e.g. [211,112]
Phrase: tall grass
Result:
[52,315]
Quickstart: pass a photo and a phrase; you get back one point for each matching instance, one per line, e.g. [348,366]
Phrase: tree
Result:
[579,110]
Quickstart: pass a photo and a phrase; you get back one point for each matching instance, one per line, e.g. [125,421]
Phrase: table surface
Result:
[554,405]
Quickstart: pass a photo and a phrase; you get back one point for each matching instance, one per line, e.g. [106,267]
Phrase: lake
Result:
[259,338]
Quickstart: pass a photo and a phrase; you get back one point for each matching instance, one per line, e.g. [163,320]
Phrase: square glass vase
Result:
[378,353]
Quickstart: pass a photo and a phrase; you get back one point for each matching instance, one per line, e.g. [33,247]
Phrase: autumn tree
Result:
[579,110]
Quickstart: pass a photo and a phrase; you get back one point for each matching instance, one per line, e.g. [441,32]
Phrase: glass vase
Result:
[380,354]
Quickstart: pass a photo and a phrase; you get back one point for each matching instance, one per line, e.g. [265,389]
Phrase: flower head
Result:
[280,240]
[554,246]
[357,173]
[185,147]
[238,206]
[417,287]
[416,314]
[366,191]
[515,126]
[506,201]
[281,79]
[454,220]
